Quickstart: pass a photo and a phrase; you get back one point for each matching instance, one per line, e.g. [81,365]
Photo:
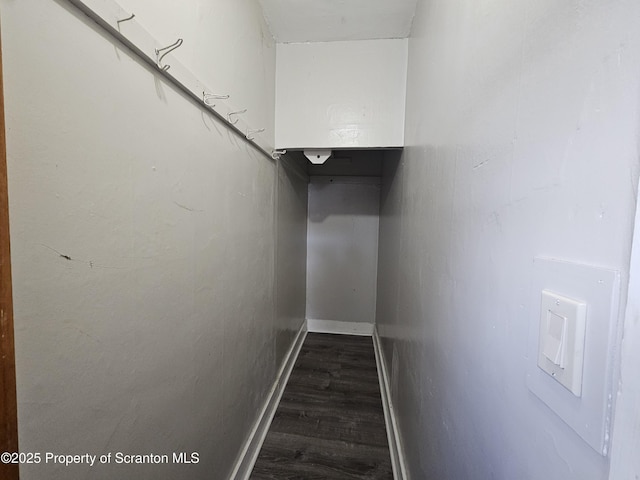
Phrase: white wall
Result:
[341,94]
[625,461]
[143,249]
[293,21]
[342,248]
[522,128]
[291,253]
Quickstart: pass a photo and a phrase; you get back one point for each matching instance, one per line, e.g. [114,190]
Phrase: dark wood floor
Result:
[330,422]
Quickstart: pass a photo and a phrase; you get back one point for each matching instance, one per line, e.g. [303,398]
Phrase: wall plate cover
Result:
[588,414]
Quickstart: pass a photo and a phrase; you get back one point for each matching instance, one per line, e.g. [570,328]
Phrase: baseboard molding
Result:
[398,462]
[341,328]
[251,449]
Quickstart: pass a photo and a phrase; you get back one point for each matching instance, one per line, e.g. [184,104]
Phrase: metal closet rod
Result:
[143,56]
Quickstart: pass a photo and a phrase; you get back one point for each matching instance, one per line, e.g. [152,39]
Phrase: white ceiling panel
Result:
[333,20]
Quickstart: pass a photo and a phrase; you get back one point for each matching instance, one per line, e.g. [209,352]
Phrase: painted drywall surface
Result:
[342,248]
[227,44]
[334,20]
[291,254]
[522,126]
[625,461]
[143,255]
[341,94]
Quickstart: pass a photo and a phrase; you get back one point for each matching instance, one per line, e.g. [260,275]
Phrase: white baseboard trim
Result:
[398,463]
[341,328]
[247,459]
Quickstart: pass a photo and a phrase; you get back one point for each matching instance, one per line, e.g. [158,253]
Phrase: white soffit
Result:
[294,21]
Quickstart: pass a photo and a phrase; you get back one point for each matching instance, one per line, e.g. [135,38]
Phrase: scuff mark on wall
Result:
[62,255]
[91,263]
[86,334]
[189,209]
[481,164]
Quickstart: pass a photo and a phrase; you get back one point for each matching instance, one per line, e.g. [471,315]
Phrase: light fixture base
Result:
[317,156]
